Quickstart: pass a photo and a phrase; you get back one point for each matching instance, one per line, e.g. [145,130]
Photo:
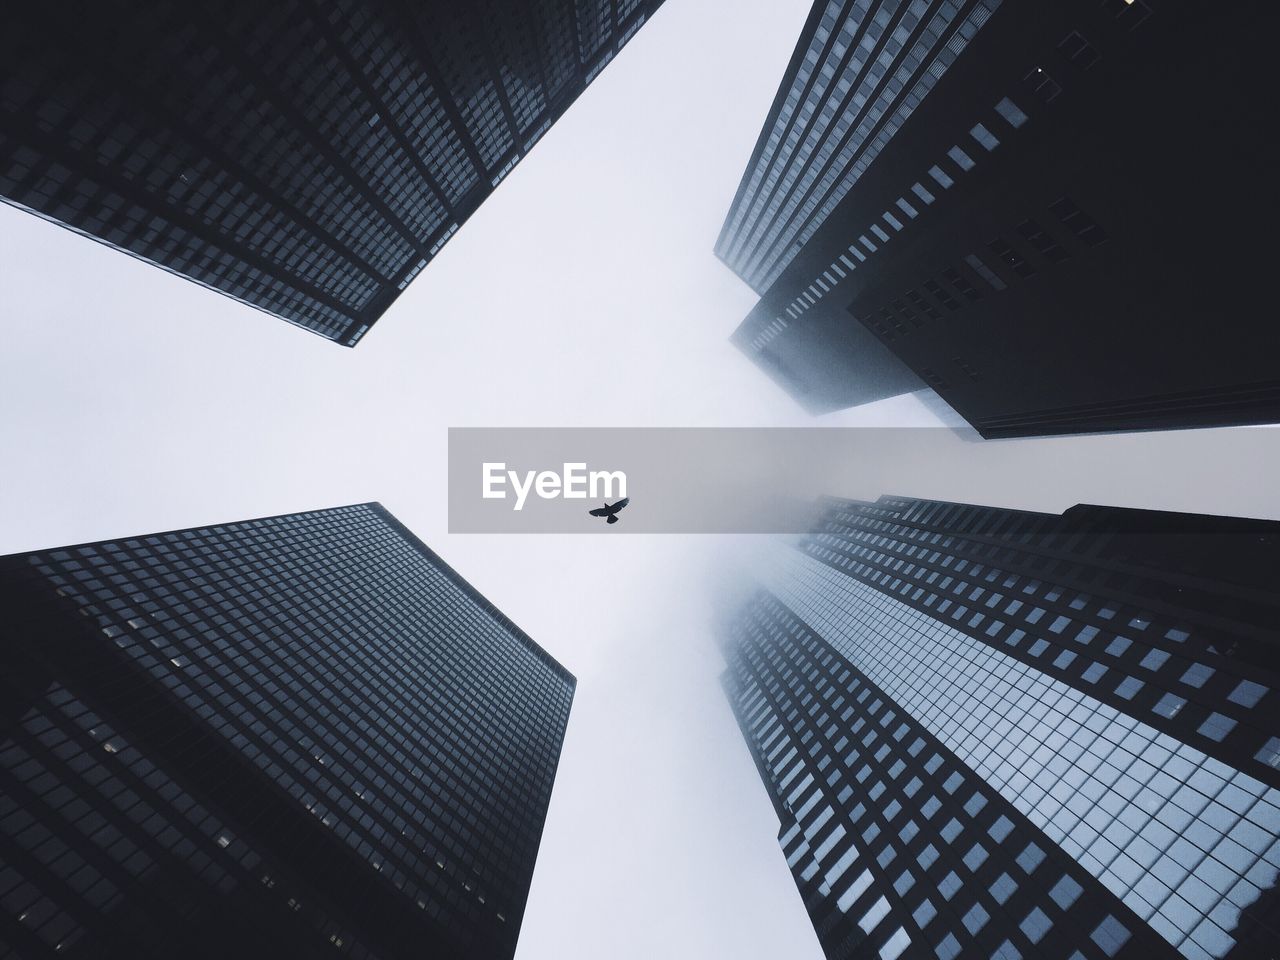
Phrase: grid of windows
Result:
[898,847]
[1029,286]
[366,725]
[1184,840]
[307,159]
[860,69]
[902,211]
[1104,680]
[865,233]
[1194,670]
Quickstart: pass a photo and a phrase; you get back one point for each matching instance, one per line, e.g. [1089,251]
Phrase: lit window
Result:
[949,886]
[1003,888]
[1110,936]
[1128,687]
[976,918]
[1155,659]
[1270,753]
[962,159]
[1216,727]
[873,916]
[895,945]
[975,857]
[984,137]
[1169,705]
[1065,892]
[1247,693]
[1196,675]
[1030,858]
[1011,112]
[1036,925]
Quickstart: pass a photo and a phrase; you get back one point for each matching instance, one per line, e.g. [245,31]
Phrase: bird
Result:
[610,510]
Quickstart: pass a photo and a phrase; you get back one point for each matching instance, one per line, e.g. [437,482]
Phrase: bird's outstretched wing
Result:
[620,504]
[599,512]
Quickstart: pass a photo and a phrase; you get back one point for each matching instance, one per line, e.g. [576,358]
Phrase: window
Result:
[1065,892]
[982,270]
[924,913]
[984,137]
[1110,935]
[1036,925]
[1247,693]
[1011,112]
[976,918]
[1030,858]
[1128,687]
[949,886]
[1155,659]
[962,159]
[1003,888]
[1196,675]
[1270,753]
[871,919]
[1216,726]
[975,857]
[1078,50]
[922,193]
[895,945]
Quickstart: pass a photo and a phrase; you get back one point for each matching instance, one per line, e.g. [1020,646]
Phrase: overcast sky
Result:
[583,293]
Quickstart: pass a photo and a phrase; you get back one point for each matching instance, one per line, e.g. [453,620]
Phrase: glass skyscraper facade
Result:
[300,736]
[999,734]
[306,158]
[1016,234]
[859,70]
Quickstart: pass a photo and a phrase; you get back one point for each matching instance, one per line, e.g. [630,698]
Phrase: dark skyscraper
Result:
[307,157]
[301,736]
[998,734]
[859,70]
[1049,239]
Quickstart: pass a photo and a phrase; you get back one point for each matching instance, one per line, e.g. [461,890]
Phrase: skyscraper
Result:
[301,736]
[858,72]
[1032,239]
[308,158]
[999,734]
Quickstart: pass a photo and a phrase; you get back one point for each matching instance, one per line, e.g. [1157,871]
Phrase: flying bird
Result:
[610,510]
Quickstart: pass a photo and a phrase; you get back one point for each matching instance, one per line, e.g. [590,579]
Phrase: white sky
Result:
[583,293]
